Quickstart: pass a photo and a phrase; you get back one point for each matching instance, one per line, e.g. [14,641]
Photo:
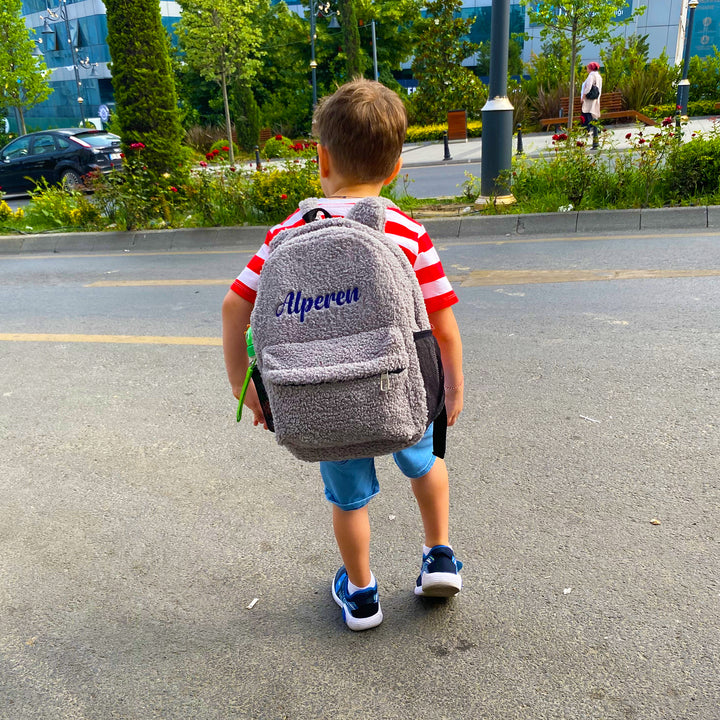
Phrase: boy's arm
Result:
[235,319]
[447,333]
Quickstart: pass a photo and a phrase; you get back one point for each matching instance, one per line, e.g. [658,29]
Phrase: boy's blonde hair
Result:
[362,125]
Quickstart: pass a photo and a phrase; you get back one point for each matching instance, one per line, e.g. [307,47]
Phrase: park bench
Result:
[610,108]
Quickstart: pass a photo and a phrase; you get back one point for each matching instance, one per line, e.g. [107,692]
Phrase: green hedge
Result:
[430,133]
[696,108]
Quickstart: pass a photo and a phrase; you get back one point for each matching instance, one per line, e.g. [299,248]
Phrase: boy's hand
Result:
[453,404]
[252,402]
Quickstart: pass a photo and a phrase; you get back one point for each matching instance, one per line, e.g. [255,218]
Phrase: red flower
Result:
[203,163]
[209,156]
[562,136]
[278,137]
[667,121]
[628,136]
[137,146]
[283,196]
[556,137]
[122,155]
[225,148]
[580,143]
[641,141]
[173,188]
[233,168]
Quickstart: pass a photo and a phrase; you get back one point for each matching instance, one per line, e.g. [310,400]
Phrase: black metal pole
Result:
[374,49]
[497,114]
[313,63]
[520,149]
[258,166]
[683,93]
[446,144]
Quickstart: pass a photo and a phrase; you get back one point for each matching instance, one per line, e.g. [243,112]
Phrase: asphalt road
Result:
[159,561]
[439,180]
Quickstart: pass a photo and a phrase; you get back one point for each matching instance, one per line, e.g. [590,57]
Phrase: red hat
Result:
[593,66]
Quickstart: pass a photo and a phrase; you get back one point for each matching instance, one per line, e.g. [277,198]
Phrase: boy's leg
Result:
[432,492]
[352,533]
[440,572]
[349,485]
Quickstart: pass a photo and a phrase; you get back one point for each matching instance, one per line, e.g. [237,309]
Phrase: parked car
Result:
[59,156]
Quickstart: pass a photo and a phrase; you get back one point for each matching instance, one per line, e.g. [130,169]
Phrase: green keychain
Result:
[248,374]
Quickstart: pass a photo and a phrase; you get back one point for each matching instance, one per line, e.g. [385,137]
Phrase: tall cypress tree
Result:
[147,109]
[351,39]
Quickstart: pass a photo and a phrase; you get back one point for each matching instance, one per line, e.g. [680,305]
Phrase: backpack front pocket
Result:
[340,392]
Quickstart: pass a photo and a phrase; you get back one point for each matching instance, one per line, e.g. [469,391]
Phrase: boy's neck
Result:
[354,190]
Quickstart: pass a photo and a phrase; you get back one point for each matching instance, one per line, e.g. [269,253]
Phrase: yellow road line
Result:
[478,278]
[471,278]
[157,283]
[112,339]
[128,253]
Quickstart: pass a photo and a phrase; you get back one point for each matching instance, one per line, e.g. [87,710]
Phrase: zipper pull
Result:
[384,382]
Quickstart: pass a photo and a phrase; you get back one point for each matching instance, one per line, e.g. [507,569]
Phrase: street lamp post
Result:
[683,93]
[497,113]
[61,14]
[323,9]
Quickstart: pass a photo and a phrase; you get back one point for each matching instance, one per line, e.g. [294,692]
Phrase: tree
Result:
[351,38]
[515,63]
[221,40]
[282,86]
[23,77]
[394,31]
[443,82]
[580,21]
[147,111]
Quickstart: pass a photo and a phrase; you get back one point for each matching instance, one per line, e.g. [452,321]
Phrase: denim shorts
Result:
[350,484]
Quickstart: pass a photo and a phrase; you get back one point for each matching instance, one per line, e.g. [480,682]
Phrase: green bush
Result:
[220,151]
[7,214]
[54,207]
[277,147]
[704,76]
[216,198]
[570,178]
[693,168]
[273,194]
[696,108]
[137,197]
[653,83]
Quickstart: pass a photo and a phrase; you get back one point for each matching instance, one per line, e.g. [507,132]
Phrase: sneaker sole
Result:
[354,623]
[439,585]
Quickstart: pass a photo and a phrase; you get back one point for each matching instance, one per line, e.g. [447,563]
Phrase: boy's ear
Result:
[393,175]
[324,161]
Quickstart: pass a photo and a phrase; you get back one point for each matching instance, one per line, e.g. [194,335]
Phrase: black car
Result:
[58,156]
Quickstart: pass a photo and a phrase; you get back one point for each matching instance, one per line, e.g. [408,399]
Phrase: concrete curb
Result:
[248,238]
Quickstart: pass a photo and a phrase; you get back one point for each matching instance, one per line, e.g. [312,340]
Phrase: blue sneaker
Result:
[361,610]
[440,573]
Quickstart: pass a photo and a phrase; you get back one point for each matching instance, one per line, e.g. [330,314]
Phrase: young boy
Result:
[361,130]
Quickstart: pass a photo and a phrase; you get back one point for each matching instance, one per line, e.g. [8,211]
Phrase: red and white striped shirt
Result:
[410,236]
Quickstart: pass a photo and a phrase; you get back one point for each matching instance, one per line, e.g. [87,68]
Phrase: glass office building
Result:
[86,25]
[83,72]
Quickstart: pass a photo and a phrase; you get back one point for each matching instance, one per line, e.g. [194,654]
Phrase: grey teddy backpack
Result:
[344,347]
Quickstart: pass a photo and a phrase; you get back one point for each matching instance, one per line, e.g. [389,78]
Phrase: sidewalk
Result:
[470,151]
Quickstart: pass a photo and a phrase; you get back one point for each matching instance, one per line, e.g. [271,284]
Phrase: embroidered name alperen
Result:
[295,304]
